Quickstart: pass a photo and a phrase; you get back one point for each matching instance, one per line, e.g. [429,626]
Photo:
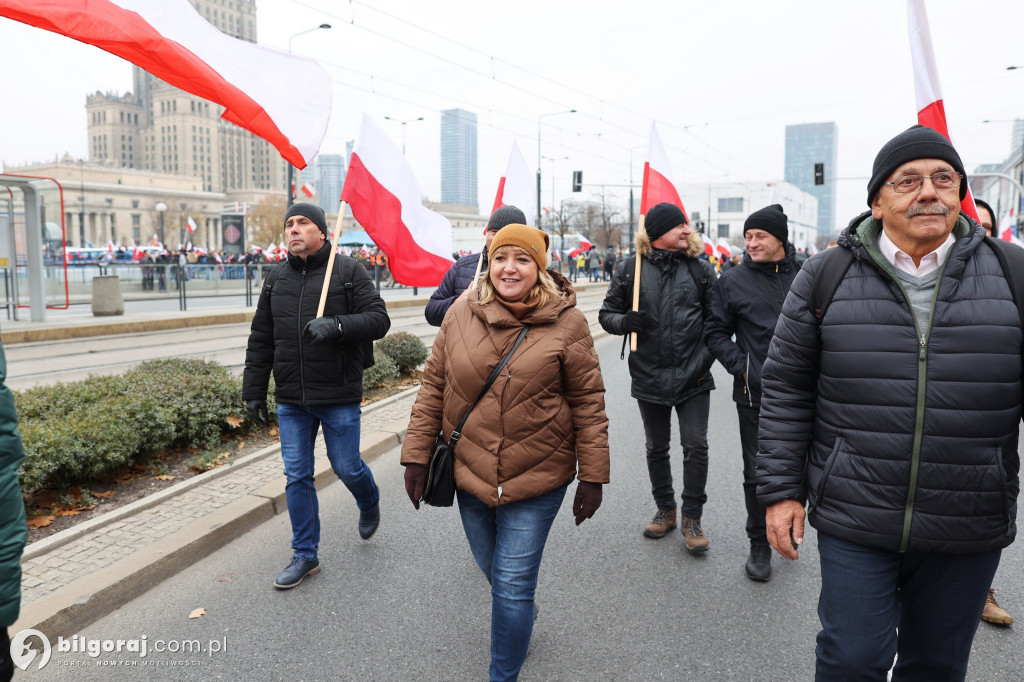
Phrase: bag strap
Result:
[1011,259]
[457,433]
[826,280]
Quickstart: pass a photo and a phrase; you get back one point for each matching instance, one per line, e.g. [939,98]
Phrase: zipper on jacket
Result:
[746,382]
[298,317]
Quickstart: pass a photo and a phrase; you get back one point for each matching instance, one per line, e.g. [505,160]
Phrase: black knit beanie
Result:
[984,204]
[772,220]
[505,215]
[916,142]
[661,218]
[311,211]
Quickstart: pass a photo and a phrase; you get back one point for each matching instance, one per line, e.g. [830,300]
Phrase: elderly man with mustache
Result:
[893,415]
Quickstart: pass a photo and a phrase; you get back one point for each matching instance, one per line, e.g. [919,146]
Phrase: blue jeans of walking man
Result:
[298,426]
[508,543]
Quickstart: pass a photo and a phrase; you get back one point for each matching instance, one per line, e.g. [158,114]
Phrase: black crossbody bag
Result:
[440,488]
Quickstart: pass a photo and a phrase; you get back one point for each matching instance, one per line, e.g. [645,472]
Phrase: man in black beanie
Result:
[746,303]
[986,217]
[460,275]
[670,369]
[892,410]
[318,375]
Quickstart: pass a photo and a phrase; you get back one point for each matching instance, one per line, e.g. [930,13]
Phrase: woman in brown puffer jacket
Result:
[541,420]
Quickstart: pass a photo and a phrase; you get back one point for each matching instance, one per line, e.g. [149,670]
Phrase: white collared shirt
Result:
[901,261]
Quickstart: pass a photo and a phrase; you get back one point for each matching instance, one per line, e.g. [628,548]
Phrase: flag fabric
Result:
[385,198]
[931,111]
[308,189]
[518,186]
[709,250]
[110,246]
[170,40]
[773,197]
[584,242]
[191,225]
[1005,229]
[658,185]
[724,247]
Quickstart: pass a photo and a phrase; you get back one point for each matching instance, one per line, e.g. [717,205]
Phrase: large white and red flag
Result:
[517,186]
[385,198]
[658,185]
[931,111]
[170,40]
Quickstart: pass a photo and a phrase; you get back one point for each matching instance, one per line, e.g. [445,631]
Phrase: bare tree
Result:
[266,221]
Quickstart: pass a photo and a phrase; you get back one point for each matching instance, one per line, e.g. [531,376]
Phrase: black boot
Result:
[759,563]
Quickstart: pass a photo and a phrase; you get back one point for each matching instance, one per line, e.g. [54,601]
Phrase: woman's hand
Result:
[588,499]
[415,482]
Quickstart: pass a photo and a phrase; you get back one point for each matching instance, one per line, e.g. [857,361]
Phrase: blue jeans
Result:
[933,600]
[298,426]
[508,543]
[693,434]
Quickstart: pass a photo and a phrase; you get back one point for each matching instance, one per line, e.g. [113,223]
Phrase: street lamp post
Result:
[411,120]
[291,168]
[160,208]
[561,228]
[539,157]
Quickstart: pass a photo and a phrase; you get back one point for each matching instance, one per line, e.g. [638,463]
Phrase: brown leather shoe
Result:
[696,539]
[664,521]
[994,613]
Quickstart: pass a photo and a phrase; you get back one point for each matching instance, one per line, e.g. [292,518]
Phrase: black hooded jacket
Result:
[455,281]
[304,374]
[898,438]
[746,302]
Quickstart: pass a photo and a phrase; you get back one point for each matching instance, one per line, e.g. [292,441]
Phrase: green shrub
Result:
[406,349]
[384,370]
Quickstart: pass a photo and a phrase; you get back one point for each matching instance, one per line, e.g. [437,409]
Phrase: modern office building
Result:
[328,173]
[160,128]
[458,158]
[808,144]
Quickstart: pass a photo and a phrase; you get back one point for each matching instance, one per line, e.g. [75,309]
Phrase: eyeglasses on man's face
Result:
[911,183]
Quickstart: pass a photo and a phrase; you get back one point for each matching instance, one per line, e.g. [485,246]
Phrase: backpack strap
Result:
[833,269]
[700,279]
[270,279]
[1011,260]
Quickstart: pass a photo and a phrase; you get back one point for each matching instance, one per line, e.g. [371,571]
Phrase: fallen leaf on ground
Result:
[233,421]
[40,521]
[165,477]
[109,493]
[197,613]
[68,512]
[76,493]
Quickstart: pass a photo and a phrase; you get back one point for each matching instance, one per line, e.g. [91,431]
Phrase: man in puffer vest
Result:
[896,426]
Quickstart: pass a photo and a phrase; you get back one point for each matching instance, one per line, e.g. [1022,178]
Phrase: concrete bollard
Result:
[106,296]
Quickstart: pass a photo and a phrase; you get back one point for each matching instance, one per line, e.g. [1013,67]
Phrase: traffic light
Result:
[819,174]
[577,181]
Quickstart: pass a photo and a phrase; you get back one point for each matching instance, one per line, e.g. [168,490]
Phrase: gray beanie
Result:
[311,211]
[506,215]
[916,142]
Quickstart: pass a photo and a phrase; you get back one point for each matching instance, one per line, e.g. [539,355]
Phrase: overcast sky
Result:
[722,80]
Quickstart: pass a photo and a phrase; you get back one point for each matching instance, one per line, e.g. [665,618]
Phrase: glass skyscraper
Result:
[806,145]
[458,158]
[328,178]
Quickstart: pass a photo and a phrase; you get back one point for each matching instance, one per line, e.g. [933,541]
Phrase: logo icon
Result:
[23,655]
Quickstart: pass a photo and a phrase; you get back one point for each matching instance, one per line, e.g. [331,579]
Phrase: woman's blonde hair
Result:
[544,291]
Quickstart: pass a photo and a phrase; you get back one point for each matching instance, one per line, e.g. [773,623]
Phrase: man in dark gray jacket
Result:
[671,367]
[746,303]
[883,412]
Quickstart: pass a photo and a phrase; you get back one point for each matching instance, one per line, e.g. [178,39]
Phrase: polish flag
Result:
[191,225]
[724,247]
[110,247]
[584,242]
[658,187]
[385,198]
[1005,229]
[930,110]
[170,40]
[518,186]
[709,250]
[308,189]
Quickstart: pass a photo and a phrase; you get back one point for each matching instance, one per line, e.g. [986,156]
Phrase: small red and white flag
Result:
[709,250]
[584,242]
[1005,229]
[386,200]
[931,111]
[724,247]
[191,225]
[658,186]
[170,40]
[518,186]
[110,246]
[308,189]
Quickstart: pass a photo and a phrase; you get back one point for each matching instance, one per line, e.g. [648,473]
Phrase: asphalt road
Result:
[411,603]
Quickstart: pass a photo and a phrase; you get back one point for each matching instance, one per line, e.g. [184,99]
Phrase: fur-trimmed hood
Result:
[643,244]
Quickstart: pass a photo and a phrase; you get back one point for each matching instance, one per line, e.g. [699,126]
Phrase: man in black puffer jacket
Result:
[318,372]
[746,302]
[895,418]
[460,276]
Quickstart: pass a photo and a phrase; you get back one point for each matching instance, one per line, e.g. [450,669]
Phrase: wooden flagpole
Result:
[330,259]
[636,285]
[479,265]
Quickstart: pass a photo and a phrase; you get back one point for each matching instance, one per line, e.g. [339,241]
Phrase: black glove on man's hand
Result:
[323,329]
[257,410]
[415,482]
[635,321]
[588,499]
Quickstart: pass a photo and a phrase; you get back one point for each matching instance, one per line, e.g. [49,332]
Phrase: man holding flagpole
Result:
[318,364]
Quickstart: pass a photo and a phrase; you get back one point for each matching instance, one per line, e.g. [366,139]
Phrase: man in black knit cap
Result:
[670,369]
[891,409]
[746,303]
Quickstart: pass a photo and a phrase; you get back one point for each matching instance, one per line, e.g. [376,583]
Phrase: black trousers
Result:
[693,434]
[748,444]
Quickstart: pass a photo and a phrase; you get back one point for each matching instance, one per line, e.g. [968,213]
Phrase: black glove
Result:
[635,321]
[588,499]
[323,329]
[415,482]
[257,410]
